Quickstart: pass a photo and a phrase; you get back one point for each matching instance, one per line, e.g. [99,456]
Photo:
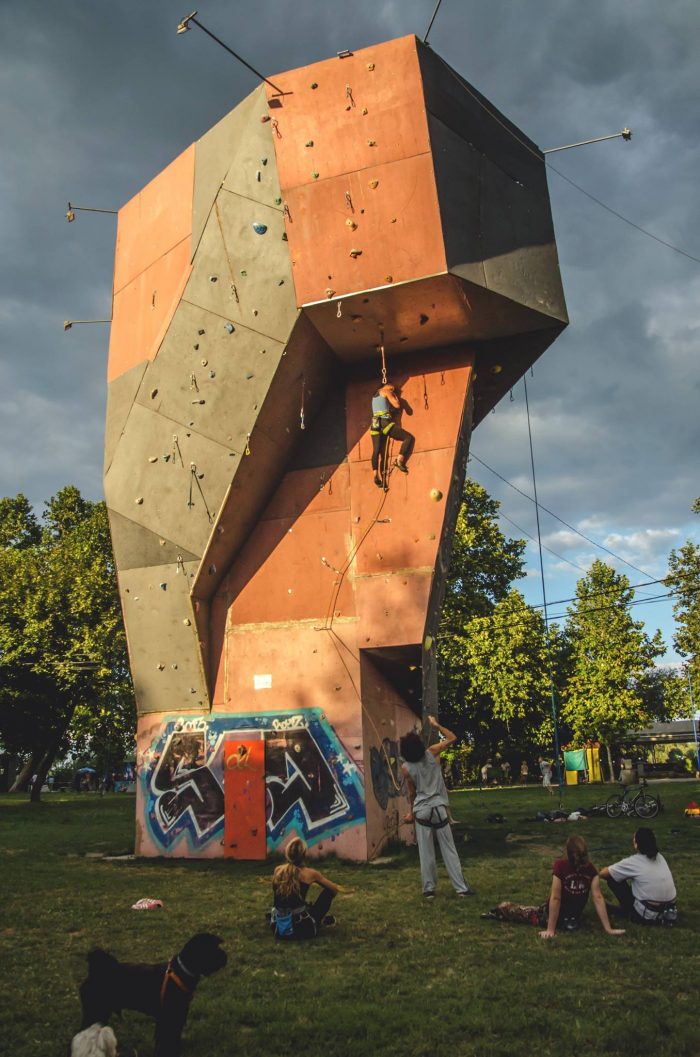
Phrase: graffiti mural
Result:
[387,780]
[311,783]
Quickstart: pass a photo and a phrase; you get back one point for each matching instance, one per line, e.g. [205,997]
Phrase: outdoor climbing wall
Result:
[281,610]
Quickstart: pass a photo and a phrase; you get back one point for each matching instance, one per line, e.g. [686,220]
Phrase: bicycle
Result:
[643,805]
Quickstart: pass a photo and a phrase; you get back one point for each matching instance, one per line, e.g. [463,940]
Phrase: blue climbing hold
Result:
[259,228]
[229,327]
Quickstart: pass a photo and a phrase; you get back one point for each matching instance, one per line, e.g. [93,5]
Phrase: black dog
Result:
[161,991]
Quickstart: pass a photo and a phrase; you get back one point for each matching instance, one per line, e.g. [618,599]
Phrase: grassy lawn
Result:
[396,976]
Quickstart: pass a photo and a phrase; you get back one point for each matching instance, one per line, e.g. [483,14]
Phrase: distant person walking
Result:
[524,773]
[430,808]
[546,772]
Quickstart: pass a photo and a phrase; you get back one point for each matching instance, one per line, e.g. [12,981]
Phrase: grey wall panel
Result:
[242,272]
[136,547]
[457,167]
[252,169]
[232,374]
[121,394]
[239,142]
[468,113]
[163,639]
[165,496]
[520,255]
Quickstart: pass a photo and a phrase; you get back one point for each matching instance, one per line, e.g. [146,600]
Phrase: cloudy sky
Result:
[99,95]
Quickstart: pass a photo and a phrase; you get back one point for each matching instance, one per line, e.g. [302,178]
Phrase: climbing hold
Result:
[496,369]
[314,175]
[213,278]
[393,220]
[259,228]
[278,201]
[153,458]
[281,282]
[139,500]
[196,347]
[309,143]
[160,667]
[200,332]
[263,161]
[212,374]
[204,362]
[329,292]
[197,401]
[258,175]
[264,118]
[229,327]
[388,278]
[192,690]
[284,237]
[351,223]
[249,376]
[435,495]
[355,253]
[255,311]
[365,111]
[371,143]
[314,84]
[423,319]
[174,666]
[211,570]
[163,587]
[187,622]
[162,542]
[370,66]
[355,319]
[373,184]
[154,394]
[243,271]
[166,457]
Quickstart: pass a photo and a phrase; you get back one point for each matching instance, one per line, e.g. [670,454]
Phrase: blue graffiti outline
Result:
[343,769]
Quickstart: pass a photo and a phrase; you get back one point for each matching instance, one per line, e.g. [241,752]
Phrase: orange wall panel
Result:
[398,233]
[356,100]
[142,310]
[244,798]
[155,220]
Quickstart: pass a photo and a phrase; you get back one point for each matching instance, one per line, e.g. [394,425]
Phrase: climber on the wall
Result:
[385,404]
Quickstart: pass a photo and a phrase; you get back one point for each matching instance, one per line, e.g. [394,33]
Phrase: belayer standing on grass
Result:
[385,403]
[429,802]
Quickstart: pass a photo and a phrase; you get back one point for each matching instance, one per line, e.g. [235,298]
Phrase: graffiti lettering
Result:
[288,724]
[384,768]
[311,784]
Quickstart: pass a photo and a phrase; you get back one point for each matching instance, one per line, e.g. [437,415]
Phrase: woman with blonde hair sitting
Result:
[573,878]
[292,918]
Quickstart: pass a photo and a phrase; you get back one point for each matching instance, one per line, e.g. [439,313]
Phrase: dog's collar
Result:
[174,972]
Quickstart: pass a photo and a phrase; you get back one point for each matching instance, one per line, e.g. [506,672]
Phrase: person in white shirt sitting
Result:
[642,883]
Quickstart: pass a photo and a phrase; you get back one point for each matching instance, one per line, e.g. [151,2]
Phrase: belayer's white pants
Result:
[426,837]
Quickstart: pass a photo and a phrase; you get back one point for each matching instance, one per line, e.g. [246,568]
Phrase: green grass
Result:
[396,976]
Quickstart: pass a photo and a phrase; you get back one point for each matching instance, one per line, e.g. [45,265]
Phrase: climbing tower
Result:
[280,609]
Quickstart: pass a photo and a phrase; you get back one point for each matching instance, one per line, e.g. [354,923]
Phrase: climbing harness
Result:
[430,822]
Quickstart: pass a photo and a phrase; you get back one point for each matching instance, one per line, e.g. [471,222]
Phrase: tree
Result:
[63,664]
[483,566]
[684,580]
[508,660]
[610,655]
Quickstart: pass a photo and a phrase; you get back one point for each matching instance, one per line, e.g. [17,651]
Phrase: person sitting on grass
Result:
[573,878]
[292,918]
[642,883]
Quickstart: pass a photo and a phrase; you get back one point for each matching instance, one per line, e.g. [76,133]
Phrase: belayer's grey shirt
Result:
[426,775]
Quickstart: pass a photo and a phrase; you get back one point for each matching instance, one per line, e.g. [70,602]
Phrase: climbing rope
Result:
[232,278]
[381,350]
